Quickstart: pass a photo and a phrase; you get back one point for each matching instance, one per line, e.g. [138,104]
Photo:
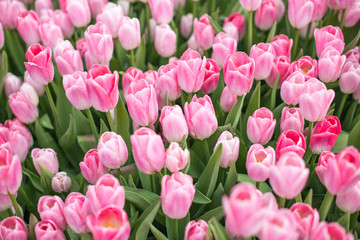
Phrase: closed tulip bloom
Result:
[13,228]
[47,158]
[281,65]
[10,172]
[50,34]
[43,5]
[5,203]
[131,74]
[61,182]
[289,168]
[291,119]
[330,231]
[27,25]
[223,46]
[79,12]
[177,194]
[47,229]
[227,99]
[63,21]
[300,13]
[325,134]
[148,149]
[239,72]
[330,65]
[263,55]
[97,6]
[265,15]
[186,25]
[23,108]
[212,74]
[39,88]
[52,208]
[91,167]
[320,7]
[107,191]
[17,127]
[176,158]
[322,164]
[204,32]
[162,10]
[280,9]
[260,126]
[129,33]
[29,92]
[290,141]
[258,162]
[110,223]
[173,123]
[307,218]
[292,88]
[75,90]
[12,83]
[250,5]
[68,59]
[112,150]
[352,15]
[39,65]
[165,40]
[76,210]
[329,36]
[307,66]
[349,80]
[9,11]
[340,4]
[196,230]
[230,148]
[282,45]
[238,21]
[111,17]
[194,45]
[167,82]
[349,201]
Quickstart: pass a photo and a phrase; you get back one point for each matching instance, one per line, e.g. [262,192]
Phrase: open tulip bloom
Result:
[179,119]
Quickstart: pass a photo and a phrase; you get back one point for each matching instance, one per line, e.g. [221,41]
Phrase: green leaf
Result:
[341,142]
[68,140]
[234,112]
[63,107]
[82,123]
[86,142]
[32,222]
[217,213]
[346,125]
[264,187]
[216,197]
[3,70]
[140,55]
[353,43]
[196,165]
[273,93]
[34,179]
[345,221]
[254,104]
[216,26]
[309,197]
[122,123]
[45,179]
[201,198]
[208,178]
[231,178]
[46,122]
[354,136]
[272,33]
[218,230]
[103,127]
[157,234]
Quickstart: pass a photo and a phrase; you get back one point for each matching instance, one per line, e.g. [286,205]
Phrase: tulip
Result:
[12,83]
[194,45]
[320,7]
[329,36]
[196,230]
[234,25]
[260,126]
[165,40]
[9,11]
[212,74]
[13,228]
[5,138]
[258,162]
[148,150]
[131,74]
[47,158]
[162,10]
[29,92]
[75,90]
[330,65]
[349,202]
[78,12]
[5,203]
[177,194]
[39,88]
[239,72]
[61,182]
[325,134]
[10,172]
[292,88]
[204,32]
[173,123]
[307,66]
[263,55]
[50,34]
[62,20]
[19,138]
[91,167]
[186,25]
[281,65]
[290,141]
[250,5]
[176,158]
[111,17]
[47,229]
[167,82]
[223,46]
[129,33]
[41,5]
[52,208]
[349,80]
[27,25]
[125,5]
[353,55]
[110,222]
[67,58]
[227,99]
[23,108]
[191,71]
[282,45]
[307,218]
[330,231]
[340,4]
[322,164]
[230,148]
[200,117]
[300,13]
[76,210]
[97,6]
[291,119]
[39,65]
[112,150]
[265,15]
[352,15]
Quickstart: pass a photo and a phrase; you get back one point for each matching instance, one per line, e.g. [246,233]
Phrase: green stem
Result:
[298,198]
[194,9]
[53,110]
[152,181]
[250,29]
[238,114]
[92,124]
[206,149]
[67,236]
[189,97]
[212,6]
[147,16]
[175,229]
[111,122]
[312,160]
[132,57]
[15,204]
[257,184]
[159,175]
[273,93]
[307,35]
[118,53]
[82,183]
[325,205]
[341,106]
[119,172]
[296,41]
[311,125]
[282,202]
[342,19]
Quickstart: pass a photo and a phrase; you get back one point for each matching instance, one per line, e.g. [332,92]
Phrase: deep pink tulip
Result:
[282,45]
[203,31]
[23,108]
[13,228]
[235,20]
[258,162]
[177,194]
[76,209]
[47,158]
[290,141]
[76,91]
[349,201]
[281,65]
[320,7]
[307,66]
[196,230]
[176,158]
[329,36]
[212,74]
[173,123]
[52,208]
[162,10]
[9,11]
[50,34]
[167,82]
[330,231]
[48,230]
[223,46]
[227,99]
[97,6]
[265,15]
[27,25]
[129,33]
[39,65]
[91,167]
[300,12]
[263,55]
[62,20]
[165,40]
[68,60]
[230,148]
[12,83]
[148,150]
[330,65]
[250,5]
[111,17]
[307,218]
[352,15]
[292,88]
[322,164]
[10,172]
[79,12]
[61,182]
[186,25]
[112,150]
[325,134]
[260,126]
[110,223]
[289,168]
[350,77]
[291,119]
[239,72]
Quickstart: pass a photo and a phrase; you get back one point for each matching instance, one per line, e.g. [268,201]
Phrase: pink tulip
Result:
[76,210]
[352,15]
[148,150]
[39,65]
[5,203]
[78,12]
[167,82]
[289,168]
[129,33]
[349,79]
[325,134]
[227,99]
[300,13]
[315,101]
[41,5]
[281,65]
[258,162]
[29,92]
[27,25]
[230,148]
[39,88]
[125,5]
[177,194]
[223,46]
[23,108]
[320,7]
[176,158]
[61,182]
[307,218]
[238,21]
[196,230]
[10,172]
[307,66]
[329,36]
[52,208]
[239,72]
[19,138]
[292,88]
[112,150]
[162,10]
[265,15]
[353,55]
[68,60]
[330,65]
[322,164]
[291,119]
[173,123]
[47,230]
[260,126]
[9,11]
[62,20]
[250,5]
[131,74]
[340,4]
[97,6]
[50,34]
[349,201]
[81,46]
[13,228]
[290,141]
[194,45]
[282,45]
[110,223]
[186,25]
[5,139]
[111,17]
[331,231]
[200,117]
[263,55]
[165,40]
[47,158]
[91,167]
[204,32]
[212,74]
[12,83]
[75,89]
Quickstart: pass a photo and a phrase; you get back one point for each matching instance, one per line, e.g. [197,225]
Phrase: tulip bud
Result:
[349,80]
[322,164]
[204,32]
[230,148]
[111,17]
[292,88]
[307,218]
[186,25]
[227,99]
[330,65]
[23,108]
[196,230]
[129,33]
[165,40]
[173,123]
[194,45]
[13,228]
[131,74]
[162,10]
[47,158]
[352,15]
[39,65]
[52,208]
[349,201]
[27,25]
[12,83]
[300,13]
[320,7]
[212,74]
[258,162]
[79,12]
[76,210]
[5,203]
[9,11]
[250,5]
[62,20]
[176,158]
[325,134]
[329,36]
[112,150]
[41,5]
[48,230]
[167,82]
[291,119]
[10,172]
[260,126]
[29,92]
[50,34]
[223,46]
[282,45]
[68,59]
[329,231]
[340,4]
[281,65]
[91,167]
[75,90]
[234,25]
[290,141]
[61,182]
[97,6]
[39,88]
[265,15]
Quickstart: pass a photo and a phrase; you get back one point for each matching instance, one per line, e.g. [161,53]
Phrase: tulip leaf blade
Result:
[217,213]
[254,104]
[272,33]
[341,142]
[309,197]
[140,55]
[68,139]
[349,116]
[122,123]
[218,230]
[157,234]
[200,198]
[45,179]
[264,187]
[103,127]
[354,136]
[86,142]
[353,42]
[235,113]
[3,70]
[231,178]
[216,26]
